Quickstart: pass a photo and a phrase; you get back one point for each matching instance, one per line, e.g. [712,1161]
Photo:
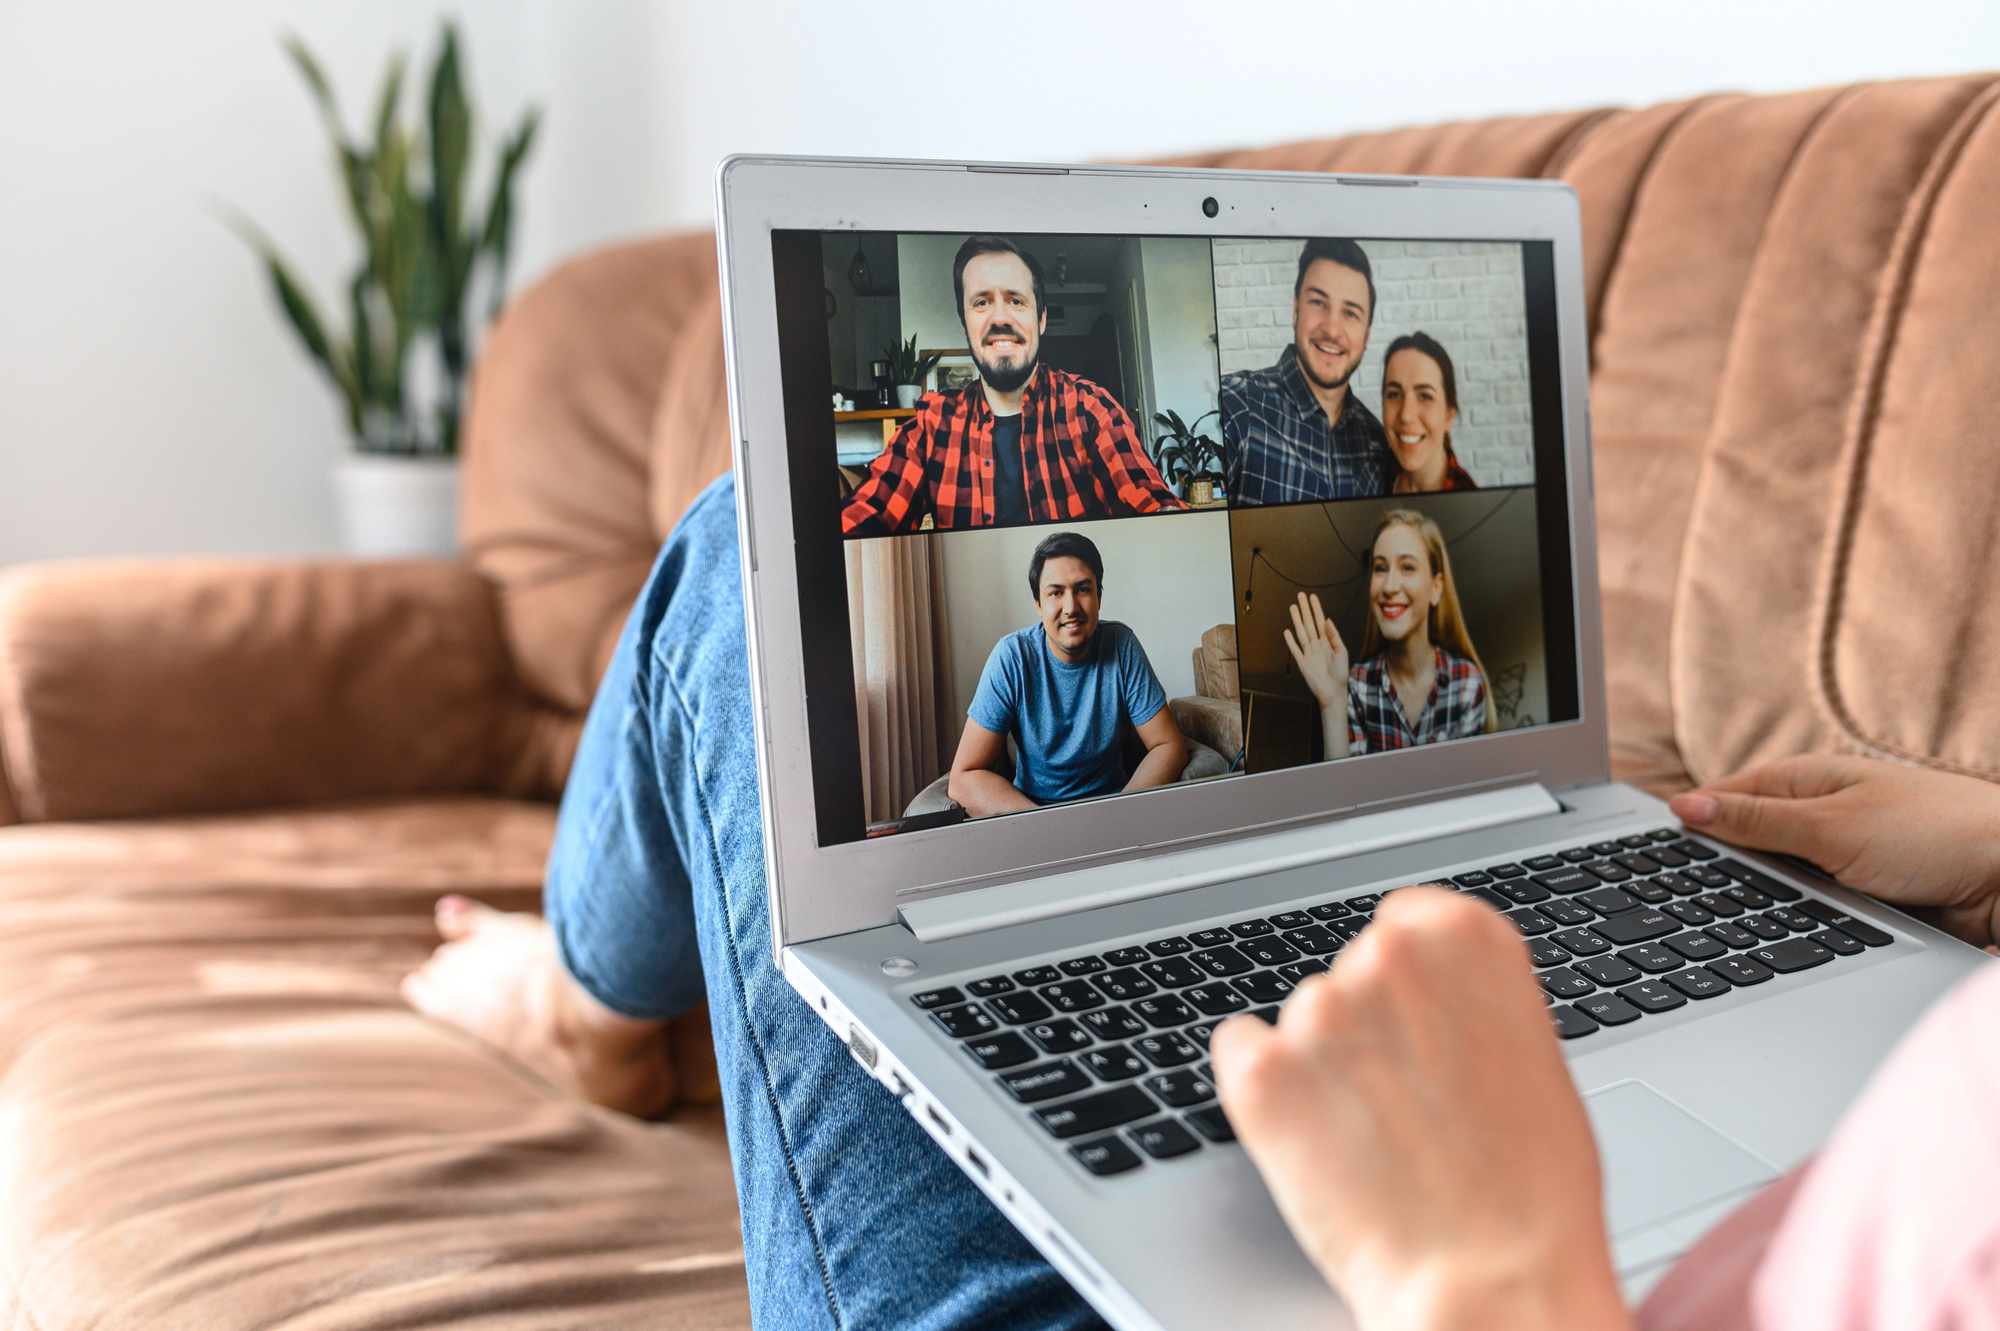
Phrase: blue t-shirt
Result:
[1066,719]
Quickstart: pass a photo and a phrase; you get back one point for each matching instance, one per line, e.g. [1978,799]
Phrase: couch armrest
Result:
[135,688]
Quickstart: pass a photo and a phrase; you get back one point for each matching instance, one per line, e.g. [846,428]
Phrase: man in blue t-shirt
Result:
[1065,689]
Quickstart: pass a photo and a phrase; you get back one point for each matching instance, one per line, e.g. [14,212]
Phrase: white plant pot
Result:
[396,507]
[907,395]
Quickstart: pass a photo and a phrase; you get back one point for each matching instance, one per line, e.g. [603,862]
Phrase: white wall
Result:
[150,401]
[1166,578]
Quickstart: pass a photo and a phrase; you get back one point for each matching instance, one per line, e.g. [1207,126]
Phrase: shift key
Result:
[1094,1113]
[1639,926]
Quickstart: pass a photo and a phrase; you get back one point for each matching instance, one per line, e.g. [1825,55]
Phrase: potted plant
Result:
[432,275]
[1190,461]
[908,370]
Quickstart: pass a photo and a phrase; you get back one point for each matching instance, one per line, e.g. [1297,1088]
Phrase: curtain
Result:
[903,687]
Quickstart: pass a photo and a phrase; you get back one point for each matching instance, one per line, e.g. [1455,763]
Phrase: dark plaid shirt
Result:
[1280,449]
[1376,721]
[1081,458]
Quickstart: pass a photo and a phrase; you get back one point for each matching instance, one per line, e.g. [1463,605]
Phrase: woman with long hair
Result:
[1419,407]
[1418,679]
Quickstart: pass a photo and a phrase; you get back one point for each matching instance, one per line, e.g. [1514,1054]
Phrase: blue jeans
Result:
[655,890]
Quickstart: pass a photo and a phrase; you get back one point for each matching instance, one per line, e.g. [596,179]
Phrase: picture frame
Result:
[955,370]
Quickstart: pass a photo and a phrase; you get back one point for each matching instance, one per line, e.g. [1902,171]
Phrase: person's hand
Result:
[1909,835]
[1416,1124]
[1316,647]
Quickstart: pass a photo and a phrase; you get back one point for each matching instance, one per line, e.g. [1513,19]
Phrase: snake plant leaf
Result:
[451,145]
[496,237]
[304,316]
[389,99]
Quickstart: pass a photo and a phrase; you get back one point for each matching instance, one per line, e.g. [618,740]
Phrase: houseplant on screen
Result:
[1189,460]
[432,275]
[908,370]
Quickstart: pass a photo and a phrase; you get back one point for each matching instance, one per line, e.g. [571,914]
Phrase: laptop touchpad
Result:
[1668,1176]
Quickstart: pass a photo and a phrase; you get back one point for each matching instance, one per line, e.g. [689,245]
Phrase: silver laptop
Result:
[1031,951]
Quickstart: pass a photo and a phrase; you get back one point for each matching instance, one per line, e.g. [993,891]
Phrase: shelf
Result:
[874,414]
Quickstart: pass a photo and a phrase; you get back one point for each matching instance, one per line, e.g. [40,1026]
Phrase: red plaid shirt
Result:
[1080,458]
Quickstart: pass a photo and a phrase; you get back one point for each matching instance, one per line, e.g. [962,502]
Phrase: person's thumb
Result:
[1761,822]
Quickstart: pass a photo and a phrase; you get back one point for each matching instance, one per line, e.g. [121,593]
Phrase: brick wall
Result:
[1466,294]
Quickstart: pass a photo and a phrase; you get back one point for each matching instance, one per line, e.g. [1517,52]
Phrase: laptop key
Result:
[1315,940]
[1570,1023]
[1607,971]
[1364,903]
[1707,877]
[1652,958]
[1112,1023]
[1265,987]
[1834,940]
[1112,1063]
[1542,863]
[965,1021]
[1694,850]
[1639,926]
[1568,880]
[1061,1036]
[1252,929]
[1071,996]
[1472,879]
[1562,982]
[1576,854]
[1758,879]
[1163,1140]
[1211,1124]
[1637,841]
[1127,956]
[936,998]
[1565,912]
[1609,900]
[1698,982]
[1665,857]
[1679,886]
[1530,921]
[1546,952]
[1268,951]
[1106,1156]
[1018,1009]
[1607,1009]
[1267,1015]
[1768,930]
[1296,971]
[991,985]
[1653,996]
[1200,1033]
[1742,970]
[1211,937]
[1664,834]
[1160,1013]
[1216,999]
[1181,1089]
[1347,929]
[1748,897]
[1730,935]
[1173,972]
[1796,920]
[1521,891]
[1170,947]
[1124,983]
[1291,919]
[1689,912]
[1490,897]
[1857,928]
[1509,870]
[1223,962]
[1609,872]
[1794,954]
[1720,904]
[1082,966]
[1094,1113]
[1045,1082]
[1645,866]
[1038,975]
[1004,1050]
[1605,847]
[1648,891]
[1167,1050]
[1582,942]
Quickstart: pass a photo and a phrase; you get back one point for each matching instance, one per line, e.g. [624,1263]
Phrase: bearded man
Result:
[1024,443]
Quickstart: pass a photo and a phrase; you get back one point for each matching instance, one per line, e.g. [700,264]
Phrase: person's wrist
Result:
[1525,1293]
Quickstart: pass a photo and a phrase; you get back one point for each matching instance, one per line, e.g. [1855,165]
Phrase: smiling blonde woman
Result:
[1419,407]
[1418,679]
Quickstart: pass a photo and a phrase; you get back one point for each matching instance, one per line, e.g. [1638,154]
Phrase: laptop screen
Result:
[1084,516]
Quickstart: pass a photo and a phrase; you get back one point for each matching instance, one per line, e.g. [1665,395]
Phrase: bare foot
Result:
[497,975]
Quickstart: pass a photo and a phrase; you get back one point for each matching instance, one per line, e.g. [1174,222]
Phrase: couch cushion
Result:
[215,1112]
[1745,660]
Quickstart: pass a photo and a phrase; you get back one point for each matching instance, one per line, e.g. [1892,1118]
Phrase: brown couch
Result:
[236,788]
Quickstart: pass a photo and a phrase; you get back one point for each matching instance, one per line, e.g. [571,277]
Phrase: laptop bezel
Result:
[818,891]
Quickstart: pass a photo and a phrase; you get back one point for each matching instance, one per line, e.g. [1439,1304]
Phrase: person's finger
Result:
[1299,621]
[1319,615]
[1777,823]
[456,916]
[1298,653]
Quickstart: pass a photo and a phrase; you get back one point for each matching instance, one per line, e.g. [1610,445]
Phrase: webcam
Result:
[1209,207]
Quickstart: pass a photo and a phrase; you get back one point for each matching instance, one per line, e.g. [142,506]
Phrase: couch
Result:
[233,789]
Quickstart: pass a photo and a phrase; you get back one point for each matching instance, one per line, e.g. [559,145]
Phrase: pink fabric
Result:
[1897,1225]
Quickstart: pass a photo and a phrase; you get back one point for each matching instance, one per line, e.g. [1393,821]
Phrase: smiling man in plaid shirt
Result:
[1027,443]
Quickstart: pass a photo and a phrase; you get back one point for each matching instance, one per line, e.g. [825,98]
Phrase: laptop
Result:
[1027,930]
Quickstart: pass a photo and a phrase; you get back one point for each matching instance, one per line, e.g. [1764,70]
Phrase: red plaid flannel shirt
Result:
[1081,458]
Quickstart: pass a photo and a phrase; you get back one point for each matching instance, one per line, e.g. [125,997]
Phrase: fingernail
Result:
[1692,808]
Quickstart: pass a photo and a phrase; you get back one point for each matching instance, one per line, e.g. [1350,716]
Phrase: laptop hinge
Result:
[1133,880]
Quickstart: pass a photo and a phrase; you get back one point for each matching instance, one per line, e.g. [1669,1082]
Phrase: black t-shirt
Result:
[1010,483]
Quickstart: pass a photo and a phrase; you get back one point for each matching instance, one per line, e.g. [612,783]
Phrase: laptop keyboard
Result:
[1109,1053]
